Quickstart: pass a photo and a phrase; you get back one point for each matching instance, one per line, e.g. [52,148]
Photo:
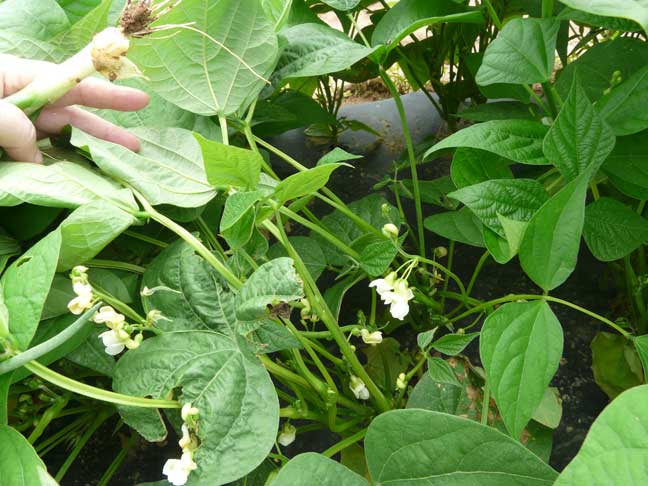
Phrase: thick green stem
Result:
[412,158]
[344,443]
[97,393]
[114,265]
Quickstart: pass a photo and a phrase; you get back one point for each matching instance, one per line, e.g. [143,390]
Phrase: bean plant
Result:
[188,293]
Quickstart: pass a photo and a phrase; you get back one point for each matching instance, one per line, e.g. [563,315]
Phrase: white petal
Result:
[114,349]
[363,393]
[175,472]
[399,309]
[109,338]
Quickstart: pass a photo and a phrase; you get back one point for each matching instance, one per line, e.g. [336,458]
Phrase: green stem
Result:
[209,235]
[478,268]
[194,242]
[445,270]
[451,248]
[547,8]
[49,345]
[46,418]
[513,297]
[117,462]
[117,304]
[222,120]
[493,14]
[97,393]
[344,443]
[114,265]
[327,334]
[412,158]
[539,100]
[146,239]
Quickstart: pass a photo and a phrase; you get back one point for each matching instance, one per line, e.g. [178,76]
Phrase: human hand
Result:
[18,135]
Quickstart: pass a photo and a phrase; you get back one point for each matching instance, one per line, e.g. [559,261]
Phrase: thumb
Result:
[18,134]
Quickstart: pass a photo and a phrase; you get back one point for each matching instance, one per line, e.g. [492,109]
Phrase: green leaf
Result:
[597,65]
[236,206]
[308,249]
[579,140]
[33,19]
[431,448]
[432,192]
[472,166]
[522,53]
[91,354]
[278,11]
[77,9]
[549,412]
[498,247]
[499,110]
[62,184]
[423,339]
[316,49]
[549,249]
[612,230]
[441,372]
[453,344]
[636,10]
[626,166]
[520,346]
[239,406]
[310,468]
[615,363]
[517,199]
[272,283]
[375,258]
[26,284]
[461,226]
[195,71]
[429,394]
[271,337]
[334,295]
[385,362]
[612,23]
[304,183]
[168,169]
[616,446]
[343,5]
[621,107]
[227,165]
[191,294]
[518,140]
[19,462]
[337,155]
[641,346]
[408,16]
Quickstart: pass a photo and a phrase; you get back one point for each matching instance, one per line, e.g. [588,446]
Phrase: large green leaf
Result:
[343,5]
[612,23]
[520,346]
[579,139]
[310,468]
[227,165]
[518,140]
[615,364]
[522,53]
[597,65]
[549,249]
[408,16]
[33,19]
[315,49]
[516,199]
[612,230]
[636,10]
[615,450]
[270,284]
[627,165]
[407,447]
[278,11]
[19,462]
[193,70]
[622,107]
[308,249]
[239,408]
[168,169]
[472,166]
[77,9]
[61,184]
[461,226]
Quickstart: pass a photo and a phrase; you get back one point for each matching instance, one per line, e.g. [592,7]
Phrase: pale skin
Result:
[18,135]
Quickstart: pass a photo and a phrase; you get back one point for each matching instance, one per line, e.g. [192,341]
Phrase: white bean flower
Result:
[83,299]
[188,411]
[177,470]
[287,435]
[359,388]
[398,299]
[390,230]
[108,315]
[384,285]
[372,338]
[115,341]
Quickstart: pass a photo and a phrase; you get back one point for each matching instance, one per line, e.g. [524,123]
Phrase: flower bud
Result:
[440,252]
[359,388]
[371,338]
[287,435]
[401,382]
[390,230]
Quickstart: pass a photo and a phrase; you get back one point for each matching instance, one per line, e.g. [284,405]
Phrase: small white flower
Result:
[401,383]
[146,292]
[185,441]
[108,315]
[384,285]
[83,300]
[390,230]
[358,388]
[398,299]
[372,338]
[114,341]
[177,470]
[188,412]
[287,435]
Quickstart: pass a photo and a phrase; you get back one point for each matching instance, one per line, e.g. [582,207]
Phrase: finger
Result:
[53,120]
[98,93]
[18,73]
[18,135]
